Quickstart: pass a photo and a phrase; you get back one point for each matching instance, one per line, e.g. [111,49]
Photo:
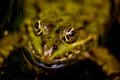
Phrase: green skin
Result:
[63,31]
[49,35]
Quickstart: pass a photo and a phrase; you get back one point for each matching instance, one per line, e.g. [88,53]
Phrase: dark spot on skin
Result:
[43,43]
[37,8]
[65,56]
[20,40]
[57,31]
[25,25]
[62,8]
[58,42]
[51,25]
[59,20]
[36,18]
[26,28]
[91,40]
[69,52]
[99,6]
[48,37]
[58,57]
[91,53]
[85,22]
[37,54]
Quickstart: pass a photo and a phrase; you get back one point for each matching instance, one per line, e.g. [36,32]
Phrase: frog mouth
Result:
[66,59]
[55,63]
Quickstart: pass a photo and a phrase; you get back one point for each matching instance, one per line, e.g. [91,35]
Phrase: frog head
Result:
[57,45]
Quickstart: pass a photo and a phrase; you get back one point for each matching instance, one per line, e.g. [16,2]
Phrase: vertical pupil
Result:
[37,25]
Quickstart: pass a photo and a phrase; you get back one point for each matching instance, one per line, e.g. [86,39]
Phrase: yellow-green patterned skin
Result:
[61,31]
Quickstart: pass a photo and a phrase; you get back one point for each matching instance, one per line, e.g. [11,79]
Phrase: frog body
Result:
[59,33]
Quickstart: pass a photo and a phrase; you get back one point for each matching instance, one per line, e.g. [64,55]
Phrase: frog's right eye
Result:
[69,35]
[38,28]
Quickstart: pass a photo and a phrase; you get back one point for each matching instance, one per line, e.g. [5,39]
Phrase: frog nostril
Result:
[55,47]
[49,37]
[43,43]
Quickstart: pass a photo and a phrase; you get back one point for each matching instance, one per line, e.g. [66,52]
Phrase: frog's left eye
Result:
[38,28]
[69,35]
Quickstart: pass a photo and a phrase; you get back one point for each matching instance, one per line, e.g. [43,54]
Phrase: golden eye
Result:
[38,28]
[69,35]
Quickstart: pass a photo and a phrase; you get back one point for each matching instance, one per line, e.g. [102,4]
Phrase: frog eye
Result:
[69,35]
[38,28]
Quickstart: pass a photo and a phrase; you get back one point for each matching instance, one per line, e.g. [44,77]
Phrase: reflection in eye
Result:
[72,33]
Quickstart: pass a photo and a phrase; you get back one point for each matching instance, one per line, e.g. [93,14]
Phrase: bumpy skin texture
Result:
[59,33]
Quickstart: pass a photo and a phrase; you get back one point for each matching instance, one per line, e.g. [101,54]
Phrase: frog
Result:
[56,34]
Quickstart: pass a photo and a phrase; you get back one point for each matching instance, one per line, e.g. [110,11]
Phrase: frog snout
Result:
[48,52]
